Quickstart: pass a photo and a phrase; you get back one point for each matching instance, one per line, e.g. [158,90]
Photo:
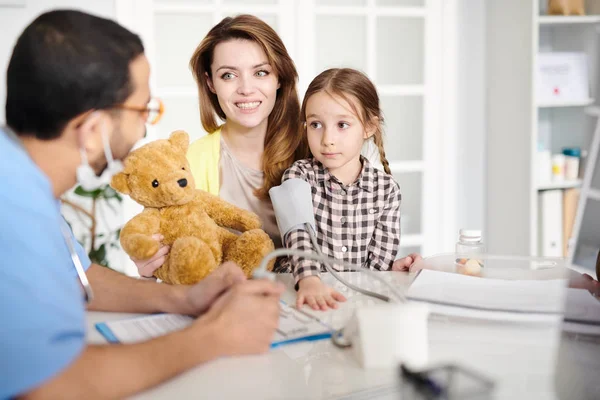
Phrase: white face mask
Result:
[86,176]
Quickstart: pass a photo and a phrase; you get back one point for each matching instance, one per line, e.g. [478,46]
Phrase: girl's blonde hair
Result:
[283,141]
[351,85]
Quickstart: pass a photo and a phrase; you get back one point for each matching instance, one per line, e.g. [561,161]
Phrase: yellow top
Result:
[203,156]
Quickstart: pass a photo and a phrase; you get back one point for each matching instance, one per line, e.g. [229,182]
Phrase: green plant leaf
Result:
[108,192]
[94,194]
[105,195]
[98,255]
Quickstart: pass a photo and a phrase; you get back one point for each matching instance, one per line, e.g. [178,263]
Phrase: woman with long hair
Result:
[249,107]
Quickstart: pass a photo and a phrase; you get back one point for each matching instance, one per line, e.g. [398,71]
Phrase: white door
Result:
[396,42]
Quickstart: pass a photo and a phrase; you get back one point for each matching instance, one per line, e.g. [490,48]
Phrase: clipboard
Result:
[294,326]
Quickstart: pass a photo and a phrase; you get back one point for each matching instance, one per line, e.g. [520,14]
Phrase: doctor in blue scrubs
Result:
[77,100]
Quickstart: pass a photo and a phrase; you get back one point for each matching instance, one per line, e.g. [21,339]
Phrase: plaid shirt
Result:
[358,223]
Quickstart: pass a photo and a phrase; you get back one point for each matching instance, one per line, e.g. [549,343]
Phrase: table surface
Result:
[519,357]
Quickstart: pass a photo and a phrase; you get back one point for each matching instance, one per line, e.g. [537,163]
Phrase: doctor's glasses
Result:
[152,113]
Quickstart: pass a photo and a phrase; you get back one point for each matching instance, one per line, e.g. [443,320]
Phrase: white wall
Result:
[14,19]
[471,115]
[510,120]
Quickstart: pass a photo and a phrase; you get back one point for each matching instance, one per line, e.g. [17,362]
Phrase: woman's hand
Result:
[147,267]
[317,295]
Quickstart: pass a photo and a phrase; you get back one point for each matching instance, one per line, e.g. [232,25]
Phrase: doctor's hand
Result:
[317,295]
[201,296]
[147,267]
[403,264]
[244,318]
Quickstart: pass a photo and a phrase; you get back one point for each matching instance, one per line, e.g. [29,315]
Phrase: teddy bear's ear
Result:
[180,140]
[119,183]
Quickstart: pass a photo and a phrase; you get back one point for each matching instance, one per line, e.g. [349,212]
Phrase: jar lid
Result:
[572,151]
[470,233]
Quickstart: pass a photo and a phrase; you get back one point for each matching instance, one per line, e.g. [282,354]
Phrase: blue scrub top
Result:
[42,311]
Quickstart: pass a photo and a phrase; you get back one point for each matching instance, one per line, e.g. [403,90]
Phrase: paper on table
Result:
[469,296]
[294,326]
[582,307]
[139,329]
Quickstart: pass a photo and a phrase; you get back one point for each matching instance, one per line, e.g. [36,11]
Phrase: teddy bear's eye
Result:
[183,168]
[155,183]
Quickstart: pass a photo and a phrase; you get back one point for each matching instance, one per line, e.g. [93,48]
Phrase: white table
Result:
[519,358]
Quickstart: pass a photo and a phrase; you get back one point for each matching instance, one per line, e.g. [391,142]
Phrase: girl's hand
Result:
[147,267]
[404,264]
[317,295]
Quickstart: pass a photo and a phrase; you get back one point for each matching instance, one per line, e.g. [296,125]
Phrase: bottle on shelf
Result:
[558,167]
[572,156]
[468,248]
[544,162]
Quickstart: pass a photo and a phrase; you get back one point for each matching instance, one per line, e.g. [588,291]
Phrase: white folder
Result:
[551,223]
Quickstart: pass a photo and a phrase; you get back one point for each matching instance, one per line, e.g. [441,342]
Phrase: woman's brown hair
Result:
[283,141]
[352,86]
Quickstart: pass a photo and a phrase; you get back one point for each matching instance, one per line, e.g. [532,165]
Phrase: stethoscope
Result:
[87,288]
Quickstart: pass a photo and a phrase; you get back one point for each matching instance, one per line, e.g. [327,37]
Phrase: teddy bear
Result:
[194,223]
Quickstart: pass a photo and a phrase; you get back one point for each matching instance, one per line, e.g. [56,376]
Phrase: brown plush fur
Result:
[193,222]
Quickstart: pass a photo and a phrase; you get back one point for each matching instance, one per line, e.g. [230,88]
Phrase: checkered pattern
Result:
[359,223]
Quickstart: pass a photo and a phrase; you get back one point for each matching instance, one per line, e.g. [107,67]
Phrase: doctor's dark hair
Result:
[66,63]
[357,90]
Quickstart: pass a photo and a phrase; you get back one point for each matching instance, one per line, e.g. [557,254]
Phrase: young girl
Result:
[357,207]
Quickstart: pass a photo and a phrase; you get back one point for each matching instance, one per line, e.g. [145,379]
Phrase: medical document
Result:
[582,307]
[468,296]
[294,326]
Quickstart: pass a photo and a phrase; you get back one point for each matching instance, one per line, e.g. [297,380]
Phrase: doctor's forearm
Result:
[119,293]
[117,371]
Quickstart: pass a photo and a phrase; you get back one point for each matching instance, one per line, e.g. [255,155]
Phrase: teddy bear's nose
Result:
[182,182]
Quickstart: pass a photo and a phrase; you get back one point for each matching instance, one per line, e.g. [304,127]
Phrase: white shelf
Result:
[581,103]
[559,185]
[518,119]
[567,20]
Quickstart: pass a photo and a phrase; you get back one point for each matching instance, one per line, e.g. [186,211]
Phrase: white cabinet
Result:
[518,121]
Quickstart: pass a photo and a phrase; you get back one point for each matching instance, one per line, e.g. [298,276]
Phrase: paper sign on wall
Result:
[562,77]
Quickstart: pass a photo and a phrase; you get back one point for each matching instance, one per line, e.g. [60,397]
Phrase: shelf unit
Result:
[568,20]
[582,103]
[559,185]
[517,121]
